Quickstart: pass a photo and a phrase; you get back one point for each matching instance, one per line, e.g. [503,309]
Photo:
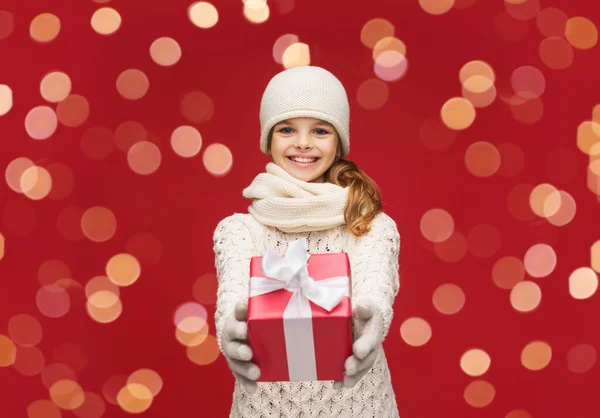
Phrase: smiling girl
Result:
[309,191]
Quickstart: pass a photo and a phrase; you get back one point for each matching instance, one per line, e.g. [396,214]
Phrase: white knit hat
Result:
[305,91]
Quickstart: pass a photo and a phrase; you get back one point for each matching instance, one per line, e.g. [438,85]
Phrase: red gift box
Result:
[292,337]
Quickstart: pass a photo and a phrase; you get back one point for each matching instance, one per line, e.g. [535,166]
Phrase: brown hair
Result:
[364,196]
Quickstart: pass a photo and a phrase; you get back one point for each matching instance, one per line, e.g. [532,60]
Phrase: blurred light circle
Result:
[134,398]
[144,157]
[106,21]
[415,331]
[41,122]
[132,84]
[479,393]
[475,362]
[581,32]
[583,283]
[436,7]
[525,296]
[458,113]
[205,353]
[536,355]
[186,141]
[281,44]
[556,53]
[44,27]
[148,378]
[8,351]
[67,394]
[217,159]
[540,260]
[73,111]
[372,94]
[448,298]
[43,408]
[390,65]
[53,301]
[203,14]
[55,86]
[165,51]
[296,54]
[375,30]
[25,330]
[123,269]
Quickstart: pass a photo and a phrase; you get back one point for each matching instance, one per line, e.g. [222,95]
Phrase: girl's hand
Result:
[236,349]
[366,346]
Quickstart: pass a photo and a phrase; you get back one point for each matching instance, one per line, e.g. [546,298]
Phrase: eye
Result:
[323,131]
[283,130]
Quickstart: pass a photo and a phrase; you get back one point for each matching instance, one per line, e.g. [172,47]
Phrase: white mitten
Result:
[365,347]
[236,349]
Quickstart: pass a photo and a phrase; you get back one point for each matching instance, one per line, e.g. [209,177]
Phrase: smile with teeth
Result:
[303,160]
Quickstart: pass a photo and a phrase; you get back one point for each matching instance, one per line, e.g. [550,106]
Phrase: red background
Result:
[181,203]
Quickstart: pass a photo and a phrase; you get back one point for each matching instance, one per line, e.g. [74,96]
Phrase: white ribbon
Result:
[291,273]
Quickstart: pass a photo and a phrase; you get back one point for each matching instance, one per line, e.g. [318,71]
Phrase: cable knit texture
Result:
[293,205]
[374,266]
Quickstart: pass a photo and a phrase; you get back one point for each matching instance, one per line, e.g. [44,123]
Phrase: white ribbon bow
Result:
[291,273]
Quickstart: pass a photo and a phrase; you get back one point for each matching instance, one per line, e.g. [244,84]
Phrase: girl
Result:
[309,191]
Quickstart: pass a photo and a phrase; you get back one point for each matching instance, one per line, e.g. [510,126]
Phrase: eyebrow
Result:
[321,123]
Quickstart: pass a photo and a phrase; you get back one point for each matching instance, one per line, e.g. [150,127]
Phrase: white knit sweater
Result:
[374,267]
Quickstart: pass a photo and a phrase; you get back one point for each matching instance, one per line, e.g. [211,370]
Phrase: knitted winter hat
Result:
[305,91]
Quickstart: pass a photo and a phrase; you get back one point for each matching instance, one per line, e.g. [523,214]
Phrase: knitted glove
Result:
[236,349]
[369,325]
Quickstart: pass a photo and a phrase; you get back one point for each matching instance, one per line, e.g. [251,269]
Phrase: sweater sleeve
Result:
[233,250]
[375,277]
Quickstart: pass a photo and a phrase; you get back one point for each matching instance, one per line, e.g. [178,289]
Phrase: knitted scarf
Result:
[292,205]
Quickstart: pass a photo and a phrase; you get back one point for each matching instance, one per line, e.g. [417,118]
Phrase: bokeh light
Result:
[93,406]
[36,182]
[507,272]
[53,301]
[197,107]
[203,14]
[144,157]
[25,330]
[437,225]
[204,289]
[134,398]
[217,159]
[372,94]
[7,24]
[436,7]
[458,113]
[8,351]
[45,27]
[256,11]
[30,361]
[375,30]
[67,394]
[99,224]
[132,84]
[415,331]
[41,122]
[73,111]
[106,21]
[551,21]
[186,141]
[390,66]
[165,51]
[6,99]
[123,269]
[583,283]
[148,378]
[43,408]
[205,353]
[296,54]
[479,393]
[540,260]
[525,296]
[55,86]
[281,44]
[448,298]
[581,358]
[482,159]
[475,362]
[556,53]
[536,355]
[581,32]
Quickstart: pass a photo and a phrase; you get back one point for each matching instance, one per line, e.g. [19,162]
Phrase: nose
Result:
[303,140]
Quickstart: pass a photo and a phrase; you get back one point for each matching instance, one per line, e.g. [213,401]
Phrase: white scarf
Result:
[292,205]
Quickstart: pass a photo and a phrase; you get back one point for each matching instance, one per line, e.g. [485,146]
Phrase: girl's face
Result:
[308,138]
